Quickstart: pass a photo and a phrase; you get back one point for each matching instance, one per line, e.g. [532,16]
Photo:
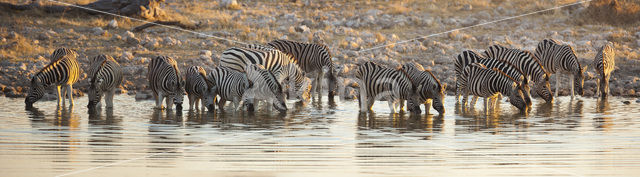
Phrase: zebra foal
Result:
[196,86]
[604,63]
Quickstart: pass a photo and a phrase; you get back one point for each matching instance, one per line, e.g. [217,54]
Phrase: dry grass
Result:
[615,12]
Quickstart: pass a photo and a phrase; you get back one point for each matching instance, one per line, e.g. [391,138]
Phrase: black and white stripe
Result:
[558,58]
[528,63]
[485,82]
[263,86]
[432,92]
[279,63]
[196,86]
[313,59]
[512,71]
[105,78]
[226,84]
[394,85]
[61,52]
[604,63]
[60,73]
[166,81]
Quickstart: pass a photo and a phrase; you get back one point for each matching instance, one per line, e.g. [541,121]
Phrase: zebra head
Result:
[578,81]
[527,90]
[95,91]
[438,100]
[543,88]
[36,92]
[210,98]
[517,98]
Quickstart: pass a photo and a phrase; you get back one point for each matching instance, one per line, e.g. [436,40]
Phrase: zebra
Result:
[485,82]
[226,83]
[604,63]
[312,59]
[166,81]
[528,63]
[61,52]
[263,86]
[60,73]
[105,77]
[561,59]
[394,85]
[277,62]
[468,57]
[432,91]
[196,86]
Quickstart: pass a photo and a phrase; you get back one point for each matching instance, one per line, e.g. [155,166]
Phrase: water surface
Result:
[580,137]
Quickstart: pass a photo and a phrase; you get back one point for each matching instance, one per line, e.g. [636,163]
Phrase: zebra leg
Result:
[70,94]
[191,101]
[221,104]
[159,98]
[108,99]
[486,106]
[402,105]
[475,99]
[392,106]
[60,98]
[169,101]
[572,85]
[427,106]
[363,97]
[557,84]
[319,83]
[598,87]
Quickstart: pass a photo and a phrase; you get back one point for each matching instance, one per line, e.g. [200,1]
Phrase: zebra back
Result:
[431,86]
[310,57]
[196,81]
[61,52]
[524,60]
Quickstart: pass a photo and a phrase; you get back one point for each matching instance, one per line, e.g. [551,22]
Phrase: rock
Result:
[43,36]
[631,92]
[228,4]
[13,35]
[129,34]
[626,102]
[290,17]
[97,31]
[170,41]
[133,41]
[112,24]
[81,37]
[206,58]
[142,96]
[638,100]
[205,52]
[141,60]
[126,56]
[151,44]
[587,93]
[116,37]
[467,7]
[302,29]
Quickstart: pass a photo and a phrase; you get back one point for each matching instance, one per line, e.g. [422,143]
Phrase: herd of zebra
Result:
[281,69]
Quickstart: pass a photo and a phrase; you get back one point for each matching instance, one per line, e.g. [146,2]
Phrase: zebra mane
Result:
[510,78]
[434,78]
[413,83]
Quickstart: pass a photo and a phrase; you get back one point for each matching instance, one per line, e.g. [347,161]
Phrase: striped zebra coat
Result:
[263,86]
[105,77]
[432,92]
[394,85]
[279,63]
[226,84]
[166,82]
[485,82]
[312,59]
[60,73]
[468,57]
[196,86]
[61,52]
[604,63]
[558,58]
[528,63]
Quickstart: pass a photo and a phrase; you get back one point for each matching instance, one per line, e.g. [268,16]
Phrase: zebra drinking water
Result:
[105,78]
[558,58]
[432,92]
[196,86]
[263,86]
[604,63]
[394,85]
[166,81]
[227,84]
[485,82]
[63,72]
